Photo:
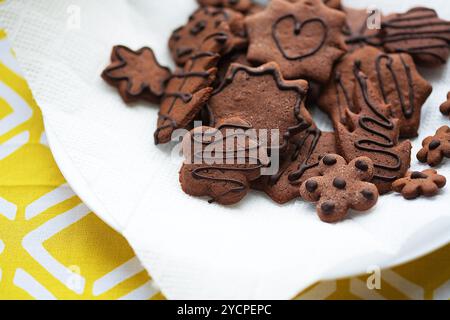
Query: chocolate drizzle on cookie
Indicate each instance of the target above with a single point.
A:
(341, 87)
(429, 18)
(166, 120)
(205, 24)
(262, 71)
(403, 33)
(304, 166)
(143, 76)
(242, 161)
(298, 26)
(408, 111)
(383, 123)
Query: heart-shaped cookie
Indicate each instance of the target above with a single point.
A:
(303, 37)
(297, 32)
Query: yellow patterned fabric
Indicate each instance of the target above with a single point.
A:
(53, 247)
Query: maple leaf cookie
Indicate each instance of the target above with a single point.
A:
(136, 74)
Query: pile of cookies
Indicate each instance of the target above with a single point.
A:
(248, 66)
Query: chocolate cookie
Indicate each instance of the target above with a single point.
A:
(237, 56)
(335, 4)
(259, 98)
(445, 107)
(299, 164)
(255, 8)
(136, 74)
(435, 148)
(304, 38)
(419, 32)
(216, 168)
(395, 79)
(186, 93)
(238, 5)
(356, 30)
(208, 29)
(416, 184)
(341, 187)
(371, 132)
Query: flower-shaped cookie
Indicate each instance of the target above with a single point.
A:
(417, 183)
(435, 148)
(136, 74)
(445, 107)
(341, 187)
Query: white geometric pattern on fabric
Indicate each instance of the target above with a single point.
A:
(145, 292)
(25, 281)
(320, 292)
(7, 209)
(359, 289)
(118, 275)
(22, 112)
(409, 289)
(33, 243)
(443, 292)
(49, 200)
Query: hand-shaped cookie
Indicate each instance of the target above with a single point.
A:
(341, 187)
(136, 74)
(435, 148)
(416, 183)
(445, 107)
(220, 164)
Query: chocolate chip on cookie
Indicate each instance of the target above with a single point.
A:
(225, 174)
(300, 163)
(416, 184)
(304, 38)
(371, 131)
(136, 74)
(419, 32)
(395, 78)
(263, 100)
(238, 5)
(435, 148)
(186, 93)
(217, 30)
(341, 187)
(445, 107)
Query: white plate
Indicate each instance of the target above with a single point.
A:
(256, 249)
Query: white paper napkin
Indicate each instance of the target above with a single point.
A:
(255, 250)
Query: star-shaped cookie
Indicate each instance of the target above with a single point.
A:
(259, 98)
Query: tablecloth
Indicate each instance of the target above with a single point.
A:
(53, 247)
